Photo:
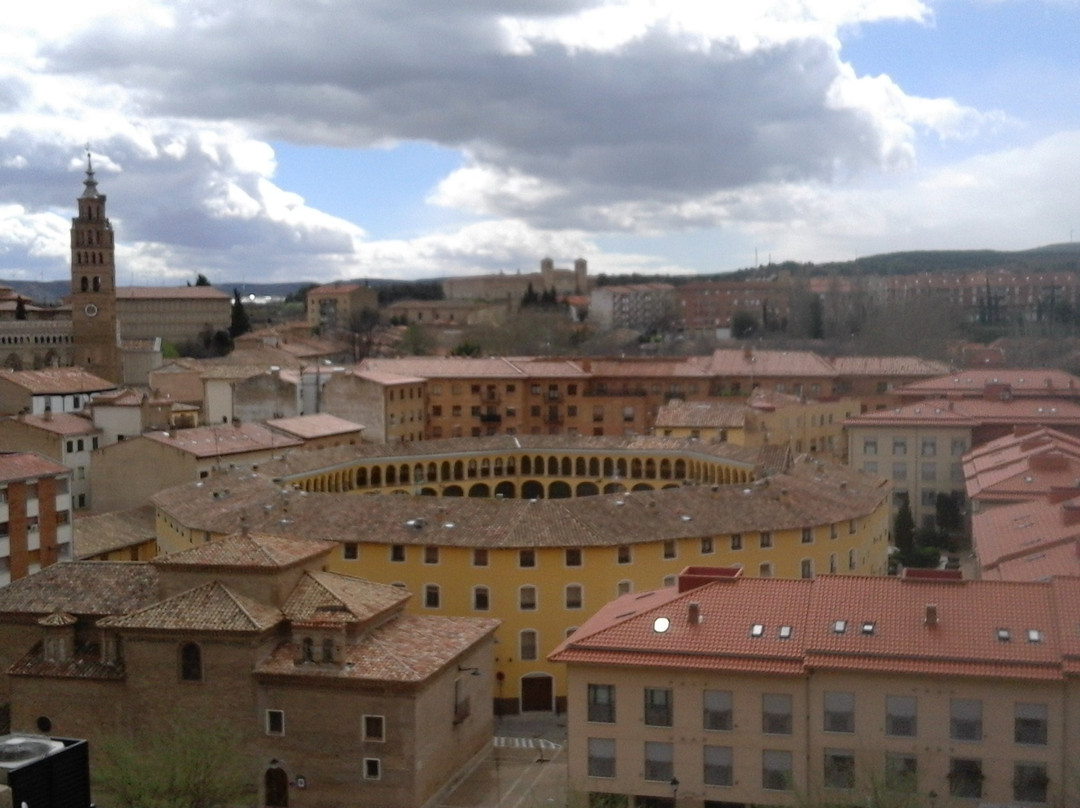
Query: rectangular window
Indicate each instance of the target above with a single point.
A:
(528, 645)
(397, 552)
(776, 714)
(965, 778)
(929, 447)
(839, 768)
(527, 598)
(481, 598)
(928, 472)
(431, 555)
(718, 766)
(766, 538)
(574, 596)
(807, 535)
(839, 712)
(717, 710)
(480, 557)
(601, 700)
(900, 716)
(669, 548)
(706, 545)
(374, 728)
(601, 757)
(372, 769)
(959, 446)
(431, 596)
(1030, 723)
(275, 722)
(527, 558)
(659, 761)
(736, 541)
(1029, 782)
(870, 466)
(350, 551)
(657, 707)
(776, 770)
(901, 772)
(573, 556)
(965, 719)
(869, 446)
(623, 554)
(899, 446)
(899, 471)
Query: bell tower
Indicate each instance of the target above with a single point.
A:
(93, 285)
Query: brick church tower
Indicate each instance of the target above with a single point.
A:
(93, 286)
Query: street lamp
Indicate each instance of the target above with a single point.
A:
(675, 790)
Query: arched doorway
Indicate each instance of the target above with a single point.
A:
(505, 490)
(277, 786)
(453, 491)
(480, 490)
(537, 692)
(531, 489)
(559, 490)
(587, 490)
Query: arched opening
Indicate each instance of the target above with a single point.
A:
(532, 489)
(510, 467)
(614, 488)
(650, 469)
(480, 490)
(665, 469)
(680, 469)
(97, 283)
(579, 467)
(567, 467)
(642, 487)
(459, 470)
(445, 475)
(391, 476)
(635, 468)
(428, 492)
(472, 470)
(505, 489)
(453, 491)
(403, 474)
(361, 477)
(670, 485)
(432, 473)
(191, 662)
(276, 782)
(586, 490)
(594, 467)
(609, 467)
(418, 473)
(485, 467)
(559, 490)
(84, 284)
(526, 465)
(376, 475)
(552, 466)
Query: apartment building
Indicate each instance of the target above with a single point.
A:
(35, 514)
(54, 389)
(736, 692)
(391, 406)
(336, 307)
(66, 438)
(640, 307)
(707, 306)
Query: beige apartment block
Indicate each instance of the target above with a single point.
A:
(35, 514)
(328, 682)
(67, 438)
(390, 406)
(126, 474)
(511, 287)
(53, 389)
(336, 307)
(750, 692)
(177, 314)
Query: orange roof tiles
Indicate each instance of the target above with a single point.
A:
(691, 414)
(325, 597)
(840, 623)
(222, 439)
(738, 362)
(82, 588)
(210, 607)
(60, 423)
(56, 381)
(1044, 382)
(887, 366)
(247, 551)
(309, 427)
(28, 465)
(170, 293)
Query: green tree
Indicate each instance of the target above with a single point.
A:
(194, 764)
(743, 324)
(817, 318)
(20, 308)
(240, 323)
(904, 531)
(416, 341)
(467, 348)
(530, 298)
(201, 280)
(947, 510)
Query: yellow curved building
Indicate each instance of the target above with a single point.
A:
(542, 565)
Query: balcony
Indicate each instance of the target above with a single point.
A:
(490, 418)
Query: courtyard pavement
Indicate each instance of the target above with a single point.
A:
(524, 768)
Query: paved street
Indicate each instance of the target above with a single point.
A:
(525, 768)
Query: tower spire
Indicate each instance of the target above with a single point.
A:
(90, 183)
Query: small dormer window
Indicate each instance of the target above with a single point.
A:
(757, 630)
(1034, 635)
(1003, 635)
(839, 626)
(784, 633)
(868, 627)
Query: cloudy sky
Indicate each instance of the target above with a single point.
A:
(321, 139)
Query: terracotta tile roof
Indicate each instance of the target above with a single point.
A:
(247, 551)
(56, 381)
(170, 293)
(60, 423)
(24, 465)
(405, 649)
(85, 664)
(887, 366)
(1043, 382)
(82, 588)
(210, 607)
(737, 362)
(307, 427)
(974, 412)
(812, 493)
(233, 371)
(325, 597)
(694, 367)
(126, 397)
(1022, 466)
(1026, 530)
(222, 439)
(382, 377)
(692, 414)
(842, 623)
(102, 533)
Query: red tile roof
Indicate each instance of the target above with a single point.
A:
(973, 412)
(82, 588)
(210, 607)
(60, 423)
(246, 551)
(222, 439)
(28, 465)
(708, 414)
(56, 381)
(170, 293)
(1040, 382)
(840, 623)
(320, 425)
(739, 362)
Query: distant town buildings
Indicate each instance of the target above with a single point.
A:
(336, 307)
(641, 307)
(512, 287)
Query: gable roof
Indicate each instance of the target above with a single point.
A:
(82, 588)
(326, 597)
(56, 381)
(247, 551)
(24, 465)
